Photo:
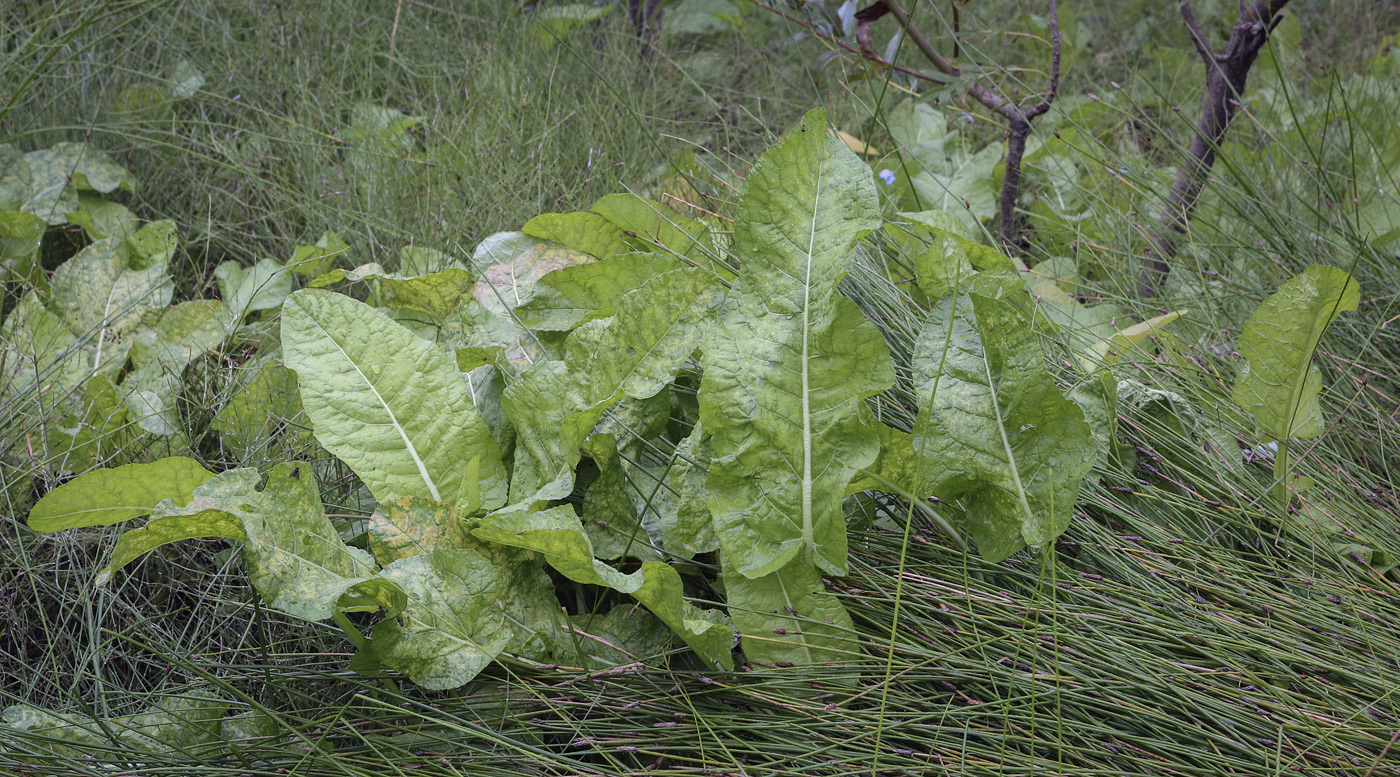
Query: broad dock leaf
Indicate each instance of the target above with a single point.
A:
(453, 626)
(1278, 382)
(389, 404)
(789, 617)
(789, 368)
(557, 534)
(993, 429)
(107, 496)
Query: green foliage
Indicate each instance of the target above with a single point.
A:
(1278, 383)
(586, 336)
(995, 431)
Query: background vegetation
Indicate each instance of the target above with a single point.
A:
(1181, 626)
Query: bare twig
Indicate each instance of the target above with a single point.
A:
(1018, 120)
(870, 55)
(1198, 38)
(1226, 76)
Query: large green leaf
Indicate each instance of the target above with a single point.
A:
(296, 560)
(558, 536)
(1278, 382)
(583, 231)
(609, 514)
(552, 416)
(41, 360)
(107, 496)
(789, 369)
(434, 294)
(453, 626)
(264, 286)
(657, 326)
(389, 404)
(98, 292)
(636, 353)
(567, 297)
(169, 340)
(993, 429)
(650, 226)
(263, 406)
(675, 512)
(414, 526)
(788, 617)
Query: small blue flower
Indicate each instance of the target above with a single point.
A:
(887, 176)
(965, 117)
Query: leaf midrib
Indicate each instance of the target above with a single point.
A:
(393, 418)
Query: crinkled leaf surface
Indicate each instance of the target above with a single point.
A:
(609, 515)
(657, 326)
(107, 496)
(554, 405)
(993, 429)
(434, 294)
(390, 405)
(653, 226)
(96, 291)
(583, 231)
(1278, 382)
(570, 296)
(552, 416)
(788, 616)
(453, 626)
(558, 536)
(792, 363)
(677, 514)
(413, 526)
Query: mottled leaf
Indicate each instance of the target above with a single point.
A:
(453, 626)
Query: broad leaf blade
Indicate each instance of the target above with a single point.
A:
(558, 536)
(787, 373)
(107, 496)
(389, 404)
(453, 626)
(1278, 383)
(993, 429)
(788, 617)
